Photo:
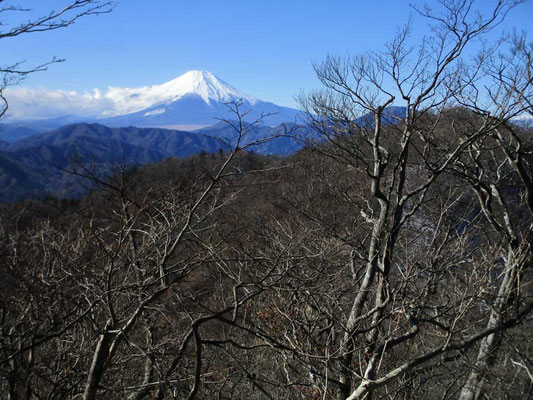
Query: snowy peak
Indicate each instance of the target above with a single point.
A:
(194, 98)
(203, 84)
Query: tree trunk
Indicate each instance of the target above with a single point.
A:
(473, 387)
(97, 366)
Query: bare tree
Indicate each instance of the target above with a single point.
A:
(403, 159)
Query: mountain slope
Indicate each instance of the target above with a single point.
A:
(33, 167)
(12, 133)
(165, 141)
(193, 110)
(201, 83)
(195, 98)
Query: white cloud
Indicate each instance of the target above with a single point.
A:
(127, 100)
(27, 103)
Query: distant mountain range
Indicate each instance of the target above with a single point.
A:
(35, 166)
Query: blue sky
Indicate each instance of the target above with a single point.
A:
(264, 48)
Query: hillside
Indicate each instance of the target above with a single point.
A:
(36, 166)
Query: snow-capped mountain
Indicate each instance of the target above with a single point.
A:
(202, 84)
(194, 98)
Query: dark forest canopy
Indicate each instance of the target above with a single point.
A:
(249, 283)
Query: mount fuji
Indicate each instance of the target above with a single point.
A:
(195, 98)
